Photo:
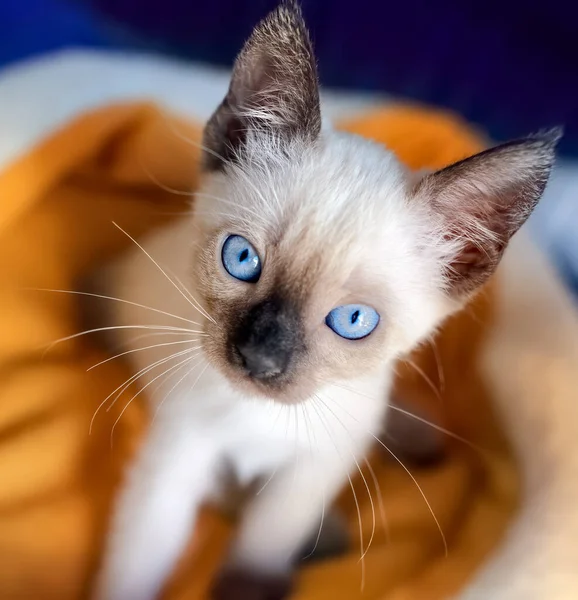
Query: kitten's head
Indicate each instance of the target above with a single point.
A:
(322, 258)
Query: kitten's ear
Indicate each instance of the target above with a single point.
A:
(484, 200)
(274, 88)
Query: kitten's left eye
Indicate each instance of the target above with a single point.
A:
(240, 259)
(352, 321)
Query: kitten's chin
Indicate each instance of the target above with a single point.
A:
(283, 390)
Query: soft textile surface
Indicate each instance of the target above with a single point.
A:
(58, 204)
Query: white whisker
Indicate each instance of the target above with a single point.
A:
(157, 265)
(247, 209)
(192, 142)
(113, 327)
(103, 297)
(166, 188)
(158, 333)
(296, 454)
(355, 499)
(188, 292)
(438, 428)
(416, 417)
(384, 521)
(139, 392)
(102, 362)
(148, 369)
(422, 373)
(178, 382)
(123, 386)
(235, 167)
(422, 493)
(412, 478)
(439, 364)
(260, 491)
(308, 427)
(362, 477)
(319, 531)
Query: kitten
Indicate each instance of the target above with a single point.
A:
(311, 262)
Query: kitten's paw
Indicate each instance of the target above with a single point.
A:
(236, 584)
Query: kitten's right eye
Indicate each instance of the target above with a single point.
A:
(240, 259)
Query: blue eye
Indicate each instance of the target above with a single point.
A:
(240, 259)
(352, 321)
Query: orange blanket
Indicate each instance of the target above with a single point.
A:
(57, 204)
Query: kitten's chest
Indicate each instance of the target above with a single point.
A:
(262, 437)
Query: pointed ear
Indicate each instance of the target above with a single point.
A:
(274, 88)
(483, 200)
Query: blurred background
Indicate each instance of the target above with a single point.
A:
(509, 66)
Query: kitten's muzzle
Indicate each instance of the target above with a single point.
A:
(267, 340)
(259, 364)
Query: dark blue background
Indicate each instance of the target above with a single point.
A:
(510, 66)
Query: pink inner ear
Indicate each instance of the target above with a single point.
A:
(483, 200)
(473, 264)
(471, 267)
(483, 233)
(468, 257)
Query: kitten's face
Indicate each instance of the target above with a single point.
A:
(320, 258)
(312, 266)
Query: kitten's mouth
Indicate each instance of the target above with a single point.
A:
(264, 369)
(258, 379)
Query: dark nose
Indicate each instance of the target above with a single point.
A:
(267, 338)
(260, 364)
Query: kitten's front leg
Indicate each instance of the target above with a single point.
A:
(171, 477)
(275, 527)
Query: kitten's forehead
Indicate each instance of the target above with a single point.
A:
(320, 213)
(342, 181)
(349, 193)
(331, 191)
